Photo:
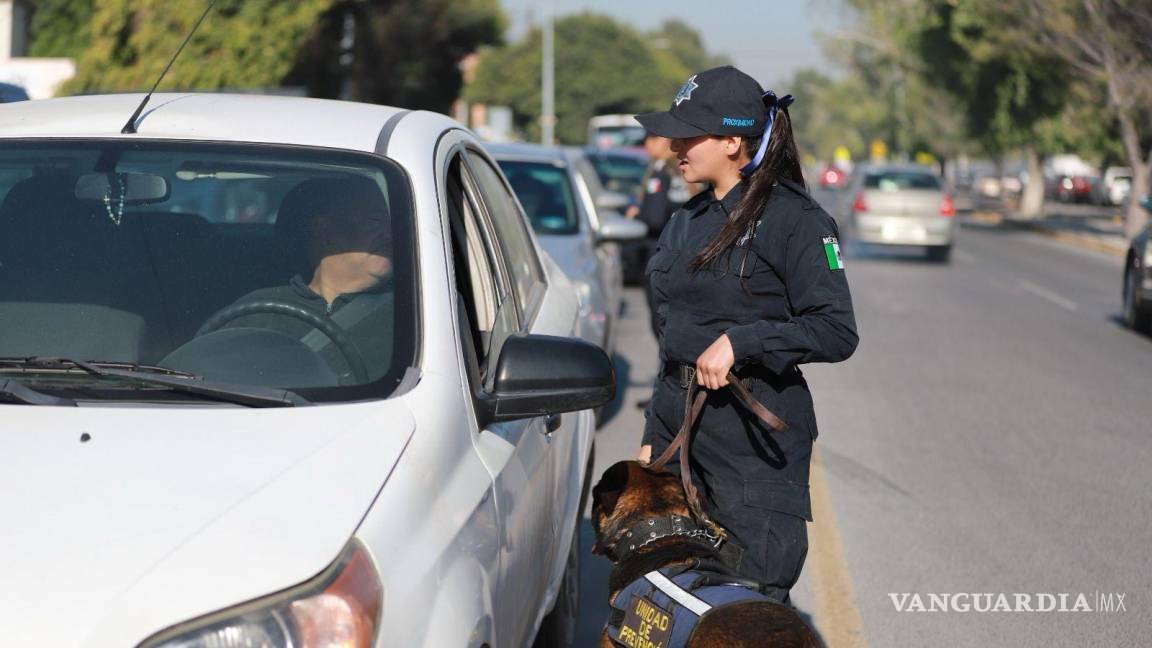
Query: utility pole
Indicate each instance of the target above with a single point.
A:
(548, 81)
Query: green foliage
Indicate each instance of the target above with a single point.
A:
(404, 52)
(602, 67)
(242, 44)
(59, 28)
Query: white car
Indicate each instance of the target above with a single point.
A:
(214, 436)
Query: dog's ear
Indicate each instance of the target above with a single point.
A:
(613, 482)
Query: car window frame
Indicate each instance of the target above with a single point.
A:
(529, 306)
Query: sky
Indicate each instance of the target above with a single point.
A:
(768, 39)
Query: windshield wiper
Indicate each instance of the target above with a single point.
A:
(176, 380)
(13, 390)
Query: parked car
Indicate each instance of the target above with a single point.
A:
(611, 131)
(175, 475)
(1117, 184)
(558, 189)
(903, 205)
(10, 93)
(620, 170)
(1138, 278)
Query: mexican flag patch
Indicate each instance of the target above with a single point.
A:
(832, 253)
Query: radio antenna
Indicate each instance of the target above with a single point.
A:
(130, 127)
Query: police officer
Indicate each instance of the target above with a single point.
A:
(747, 276)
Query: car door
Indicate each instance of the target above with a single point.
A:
(518, 454)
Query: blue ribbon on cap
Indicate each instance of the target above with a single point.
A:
(774, 104)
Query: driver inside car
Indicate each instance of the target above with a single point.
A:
(347, 238)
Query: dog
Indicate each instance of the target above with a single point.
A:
(661, 554)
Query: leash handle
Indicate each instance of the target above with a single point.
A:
(696, 397)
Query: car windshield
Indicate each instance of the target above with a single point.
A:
(900, 180)
(620, 173)
(546, 194)
(257, 265)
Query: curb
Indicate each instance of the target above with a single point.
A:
(1085, 241)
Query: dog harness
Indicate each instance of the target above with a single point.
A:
(662, 608)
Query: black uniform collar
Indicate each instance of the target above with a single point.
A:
(727, 204)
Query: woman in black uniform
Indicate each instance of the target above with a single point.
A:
(747, 277)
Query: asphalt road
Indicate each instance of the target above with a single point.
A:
(992, 435)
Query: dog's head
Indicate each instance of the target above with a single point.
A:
(629, 493)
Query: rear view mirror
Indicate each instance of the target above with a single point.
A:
(122, 188)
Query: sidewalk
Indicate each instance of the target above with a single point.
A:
(1085, 226)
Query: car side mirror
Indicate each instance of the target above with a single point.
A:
(537, 375)
(614, 227)
(612, 200)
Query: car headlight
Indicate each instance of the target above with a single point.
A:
(340, 607)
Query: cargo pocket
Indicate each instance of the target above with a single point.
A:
(779, 495)
(785, 536)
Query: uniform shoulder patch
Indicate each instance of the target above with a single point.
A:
(832, 253)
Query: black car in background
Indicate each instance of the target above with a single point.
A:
(1138, 279)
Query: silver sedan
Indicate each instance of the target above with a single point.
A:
(903, 205)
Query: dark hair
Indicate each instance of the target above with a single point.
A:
(781, 160)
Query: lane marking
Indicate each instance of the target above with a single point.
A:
(839, 619)
(1048, 294)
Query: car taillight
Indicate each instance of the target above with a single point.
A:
(947, 207)
(858, 205)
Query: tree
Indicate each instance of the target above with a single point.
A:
(403, 52)
(601, 67)
(242, 44)
(399, 52)
(59, 28)
(1109, 43)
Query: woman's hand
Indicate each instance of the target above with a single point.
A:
(713, 365)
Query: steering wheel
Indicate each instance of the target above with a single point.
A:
(329, 328)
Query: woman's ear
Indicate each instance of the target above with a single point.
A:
(733, 145)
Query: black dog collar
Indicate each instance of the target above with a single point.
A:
(650, 530)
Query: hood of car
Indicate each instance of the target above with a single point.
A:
(119, 522)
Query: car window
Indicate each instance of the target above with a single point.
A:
(512, 236)
(899, 180)
(485, 294)
(247, 264)
(546, 194)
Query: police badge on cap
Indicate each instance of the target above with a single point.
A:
(720, 101)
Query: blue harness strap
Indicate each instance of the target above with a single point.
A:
(683, 595)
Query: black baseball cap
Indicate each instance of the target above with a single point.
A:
(720, 101)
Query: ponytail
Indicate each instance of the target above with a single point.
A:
(774, 157)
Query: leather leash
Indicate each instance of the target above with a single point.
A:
(696, 398)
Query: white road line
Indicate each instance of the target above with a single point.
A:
(1049, 295)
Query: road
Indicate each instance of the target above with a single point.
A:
(992, 434)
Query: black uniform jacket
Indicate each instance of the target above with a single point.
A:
(782, 298)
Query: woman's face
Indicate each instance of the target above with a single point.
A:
(707, 158)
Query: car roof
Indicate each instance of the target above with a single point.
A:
(527, 152)
(203, 116)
